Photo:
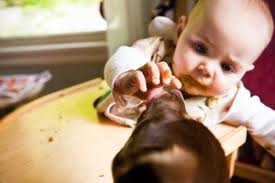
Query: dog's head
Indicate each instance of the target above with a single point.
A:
(169, 105)
(165, 147)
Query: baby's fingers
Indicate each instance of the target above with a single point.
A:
(139, 80)
(165, 73)
(151, 73)
(175, 82)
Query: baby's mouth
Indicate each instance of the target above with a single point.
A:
(188, 81)
(198, 82)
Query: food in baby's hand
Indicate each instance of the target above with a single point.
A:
(167, 74)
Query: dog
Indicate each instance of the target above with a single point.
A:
(167, 147)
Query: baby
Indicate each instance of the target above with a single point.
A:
(206, 58)
(165, 147)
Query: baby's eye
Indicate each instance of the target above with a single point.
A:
(200, 48)
(227, 67)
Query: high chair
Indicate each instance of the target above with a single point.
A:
(60, 138)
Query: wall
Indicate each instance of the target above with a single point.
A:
(261, 80)
(128, 21)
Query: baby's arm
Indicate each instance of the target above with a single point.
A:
(128, 72)
(131, 58)
(124, 59)
(258, 118)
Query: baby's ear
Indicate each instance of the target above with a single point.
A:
(251, 67)
(181, 25)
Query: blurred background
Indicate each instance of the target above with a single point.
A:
(66, 37)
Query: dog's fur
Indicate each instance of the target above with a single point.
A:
(166, 147)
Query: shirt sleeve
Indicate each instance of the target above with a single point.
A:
(259, 119)
(162, 26)
(124, 59)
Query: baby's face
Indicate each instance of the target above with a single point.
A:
(217, 47)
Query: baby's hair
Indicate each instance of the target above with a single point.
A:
(263, 7)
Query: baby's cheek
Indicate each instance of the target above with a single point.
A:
(220, 87)
(179, 66)
(175, 67)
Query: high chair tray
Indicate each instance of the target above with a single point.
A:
(60, 138)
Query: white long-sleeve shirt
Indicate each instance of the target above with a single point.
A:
(246, 110)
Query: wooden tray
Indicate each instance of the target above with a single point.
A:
(60, 138)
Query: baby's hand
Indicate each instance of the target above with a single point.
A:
(143, 81)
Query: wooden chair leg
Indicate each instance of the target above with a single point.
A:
(231, 160)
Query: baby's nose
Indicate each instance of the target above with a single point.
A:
(205, 73)
(205, 70)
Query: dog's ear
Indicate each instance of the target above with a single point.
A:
(177, 97)
(168, 100)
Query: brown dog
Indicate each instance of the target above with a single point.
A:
(165, 147)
